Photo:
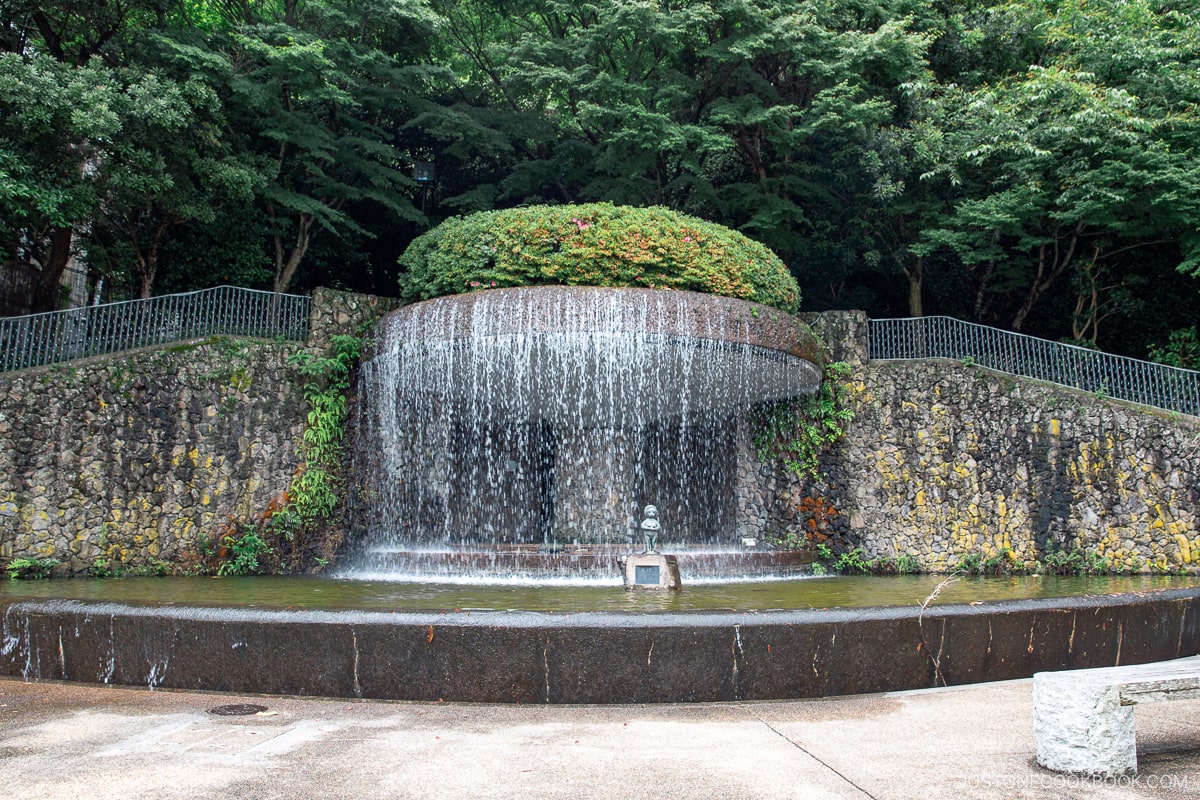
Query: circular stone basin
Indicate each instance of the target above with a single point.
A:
(422, 648)
(591, 356)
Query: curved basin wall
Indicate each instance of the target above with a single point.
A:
(590, 657)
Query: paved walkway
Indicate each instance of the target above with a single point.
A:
(70, 741)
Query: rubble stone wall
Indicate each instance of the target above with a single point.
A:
(142, 458)
(146, 457)
(944, 460)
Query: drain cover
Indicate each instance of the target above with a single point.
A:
(237, 710)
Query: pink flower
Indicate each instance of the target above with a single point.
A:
(687, 238)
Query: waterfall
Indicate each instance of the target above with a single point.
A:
(542, 420)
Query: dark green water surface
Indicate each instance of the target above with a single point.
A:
(332, 593)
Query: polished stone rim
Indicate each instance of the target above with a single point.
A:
(677, 313)
(593, 356)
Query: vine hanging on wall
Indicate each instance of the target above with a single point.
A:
(798, 430)
(278, 541)
(315, 492)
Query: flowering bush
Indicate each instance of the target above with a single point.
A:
(597, 244)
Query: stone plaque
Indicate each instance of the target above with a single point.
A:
(652, 571)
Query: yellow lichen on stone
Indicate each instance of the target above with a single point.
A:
(1185, 548)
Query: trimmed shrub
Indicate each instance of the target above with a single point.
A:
(597, 244)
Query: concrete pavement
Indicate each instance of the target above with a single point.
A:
(75, 741)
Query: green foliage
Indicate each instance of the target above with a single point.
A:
(30, 569)
(106, 568)
(1181, 350)
(317, 93)
(853, 562)
(597, 244)
(245, 553)
(1075, 562)
(315, 492)
(1031, 163)
(1065, 164)
(1004, 562)
(797, 431)
(789, 540)
(1055, 562)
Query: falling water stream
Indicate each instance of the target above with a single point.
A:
(528, 427)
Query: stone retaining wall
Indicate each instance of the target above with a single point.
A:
(144, 458)
(944, 460)
(139, 459)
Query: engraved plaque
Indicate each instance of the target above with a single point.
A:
(646, 575)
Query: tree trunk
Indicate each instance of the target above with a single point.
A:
(45, 294)
(286, 263)
(148, 261)
(1050, 267)
(916, 276)
(147, 276)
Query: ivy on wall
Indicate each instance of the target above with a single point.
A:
(286, 536)
(798, 430)
(316, 490)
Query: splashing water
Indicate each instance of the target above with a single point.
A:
(532, 425)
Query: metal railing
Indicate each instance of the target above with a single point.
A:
(38, 339)
(1101, 373)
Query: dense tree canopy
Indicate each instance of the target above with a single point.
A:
(1033, 164)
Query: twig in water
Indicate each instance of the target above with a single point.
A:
(934, 657)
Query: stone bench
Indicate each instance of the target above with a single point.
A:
(1083, 719)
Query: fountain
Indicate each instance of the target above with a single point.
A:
(523, 432)
(520, 431)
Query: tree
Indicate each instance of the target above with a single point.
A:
(314, 92)
(167, 168)
(760, 117)
(1064, 170)
(54, 121)
(95, 137)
